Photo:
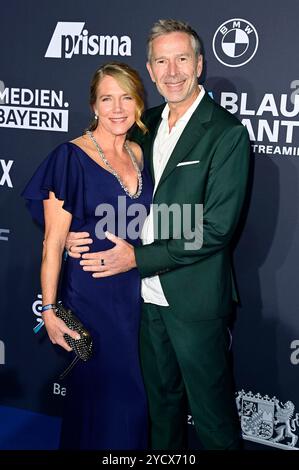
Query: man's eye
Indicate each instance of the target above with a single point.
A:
(160, 61)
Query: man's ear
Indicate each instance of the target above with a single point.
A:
(199, 66)
(149, 69)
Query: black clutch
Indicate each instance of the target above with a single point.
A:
(82, 347)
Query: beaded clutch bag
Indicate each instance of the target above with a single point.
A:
(82, 347)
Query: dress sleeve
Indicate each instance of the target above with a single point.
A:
(61, 172)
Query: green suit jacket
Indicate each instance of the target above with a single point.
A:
(198, 282)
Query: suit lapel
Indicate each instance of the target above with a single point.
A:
(152, 121)
(191, 135)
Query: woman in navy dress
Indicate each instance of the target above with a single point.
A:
(96, 183)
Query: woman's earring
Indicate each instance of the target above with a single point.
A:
(96, 117)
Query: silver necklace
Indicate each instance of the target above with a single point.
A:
(112, 170)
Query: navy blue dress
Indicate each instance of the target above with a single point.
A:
(105, 404)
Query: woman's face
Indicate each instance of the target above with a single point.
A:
(114, 106)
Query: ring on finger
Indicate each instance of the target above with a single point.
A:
(102, 262)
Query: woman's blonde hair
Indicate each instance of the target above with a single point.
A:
(128, 79)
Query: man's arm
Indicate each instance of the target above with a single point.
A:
(225, 193)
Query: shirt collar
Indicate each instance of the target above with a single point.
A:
(186, 116)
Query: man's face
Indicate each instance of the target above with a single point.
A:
(174, 67)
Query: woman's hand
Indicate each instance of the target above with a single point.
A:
(56, 329)
(77, 243)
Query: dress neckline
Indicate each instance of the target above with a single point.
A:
(109, 172)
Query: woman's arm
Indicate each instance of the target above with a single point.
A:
(57, 224)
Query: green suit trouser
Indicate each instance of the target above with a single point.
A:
(188, 362)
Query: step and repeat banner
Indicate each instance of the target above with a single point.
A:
(49, 51)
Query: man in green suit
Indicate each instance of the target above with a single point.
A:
(198, 154)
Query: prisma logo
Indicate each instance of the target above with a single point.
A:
(69, 38)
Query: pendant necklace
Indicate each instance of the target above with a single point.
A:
(112, 170)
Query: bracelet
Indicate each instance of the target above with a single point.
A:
(48, 307)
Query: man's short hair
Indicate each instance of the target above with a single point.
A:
(167, 26)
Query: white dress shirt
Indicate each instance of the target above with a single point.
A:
(165, 141)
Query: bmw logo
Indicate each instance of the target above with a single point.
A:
(235, 42)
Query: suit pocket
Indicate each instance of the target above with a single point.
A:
(189, 163)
